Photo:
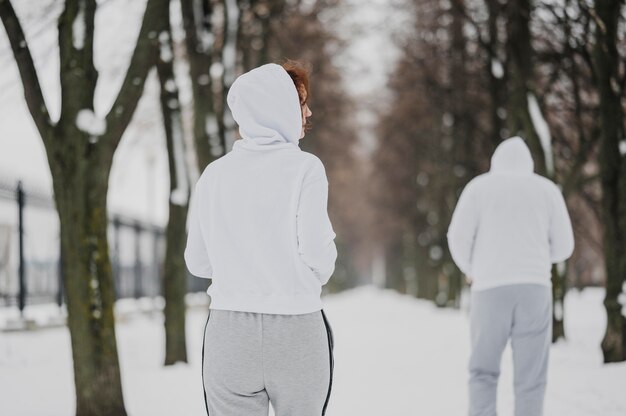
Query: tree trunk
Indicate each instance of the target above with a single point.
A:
(519, 55)
(175, 285)
(199, 43)
(497, 82)
(427, 278)
(80, 168)
(613, 174)
(255, 30)
(80, 193)
(231, 61)
(409, 262)
(463, 166)
(395, 266)
(520, 59)
(175, 270)
(559, 288)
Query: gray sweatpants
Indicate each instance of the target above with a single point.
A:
(523, 313)
(252, 359)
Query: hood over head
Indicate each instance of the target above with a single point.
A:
(512, 156)
(264, 102)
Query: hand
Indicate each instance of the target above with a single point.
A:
(468, 280)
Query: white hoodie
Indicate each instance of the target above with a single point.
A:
(258, 221)
(510, 224)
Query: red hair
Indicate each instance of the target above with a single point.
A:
(300, 76)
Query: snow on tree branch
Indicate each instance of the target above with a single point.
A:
(78, 27)
(543, 131)
(87, 121)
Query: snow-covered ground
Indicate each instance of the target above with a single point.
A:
(394, 356)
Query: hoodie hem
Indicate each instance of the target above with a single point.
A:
(478, 285)
(271, 304)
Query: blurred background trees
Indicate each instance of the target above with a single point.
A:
(472, 73)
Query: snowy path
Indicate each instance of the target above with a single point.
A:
(395, 356)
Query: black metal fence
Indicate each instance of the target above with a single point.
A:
(27, 276)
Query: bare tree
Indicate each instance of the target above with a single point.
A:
(613, 172)
(175, 270)
(80, 148)
(199, 42)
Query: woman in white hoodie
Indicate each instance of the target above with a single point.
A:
(259, 228)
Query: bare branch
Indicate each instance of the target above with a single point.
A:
(30, 82)
(143, 60)
(487, 45)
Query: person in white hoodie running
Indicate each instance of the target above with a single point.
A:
(259, 228)
(508, 228)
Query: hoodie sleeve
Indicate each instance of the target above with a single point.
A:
(561, 233)
(462, 230)
(196, 254)
(316, 245)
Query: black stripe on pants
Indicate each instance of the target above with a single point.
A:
(329, 333)
(206, 403)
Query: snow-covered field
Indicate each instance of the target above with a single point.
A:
(394, 356)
